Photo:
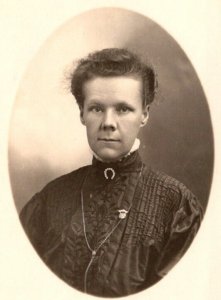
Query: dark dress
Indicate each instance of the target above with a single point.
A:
(79, 213)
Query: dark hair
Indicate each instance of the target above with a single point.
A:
(113, 62)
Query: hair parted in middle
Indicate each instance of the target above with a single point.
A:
(113, 62)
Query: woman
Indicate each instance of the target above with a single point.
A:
(115, 227)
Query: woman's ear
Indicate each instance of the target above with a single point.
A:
(82, 115)
(145, 116)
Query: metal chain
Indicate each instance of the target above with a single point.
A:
(94, 251)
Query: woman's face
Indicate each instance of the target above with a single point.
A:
(113, 114)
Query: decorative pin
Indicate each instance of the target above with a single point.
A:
(122, 213)
(111, 171)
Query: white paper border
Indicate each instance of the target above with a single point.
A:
(196, 26)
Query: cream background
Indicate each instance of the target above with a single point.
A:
(196, 26)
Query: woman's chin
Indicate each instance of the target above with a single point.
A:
(109, 155)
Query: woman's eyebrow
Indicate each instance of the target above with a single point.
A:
(124, 103)
(104, 103)
(95, 102)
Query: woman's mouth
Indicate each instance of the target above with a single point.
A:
(108, 140)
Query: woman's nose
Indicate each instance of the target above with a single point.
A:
(109, 120)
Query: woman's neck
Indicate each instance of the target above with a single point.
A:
(135, 147)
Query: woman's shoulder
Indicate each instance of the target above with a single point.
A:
(165, 181)
(67, 180)
(58, 189)
(174, 191)
(72, 176)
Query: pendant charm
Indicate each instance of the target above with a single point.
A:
(111, 171)
(122, 213)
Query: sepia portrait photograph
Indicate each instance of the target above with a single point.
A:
(111, 157)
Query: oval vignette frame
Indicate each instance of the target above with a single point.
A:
(48, 117)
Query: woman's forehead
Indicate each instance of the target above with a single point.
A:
(115, 87)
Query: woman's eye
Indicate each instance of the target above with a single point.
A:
(124, 109)
(96, 109)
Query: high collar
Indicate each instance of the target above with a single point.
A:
(130, 163)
